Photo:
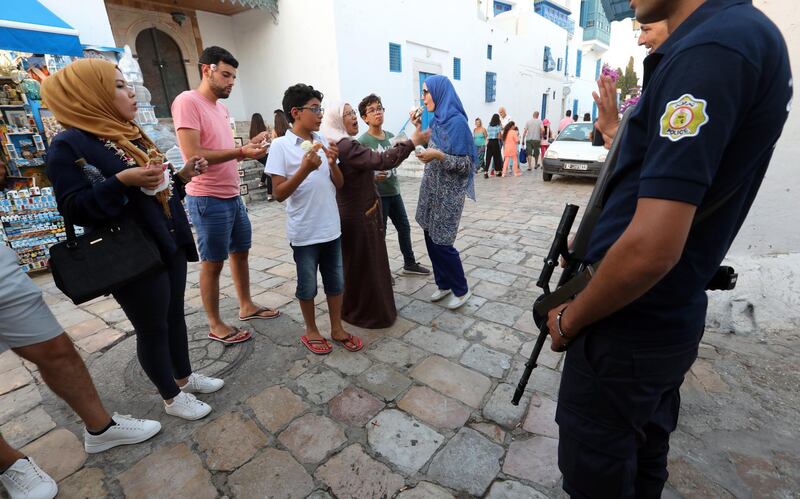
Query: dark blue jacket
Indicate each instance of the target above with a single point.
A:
(94, 204)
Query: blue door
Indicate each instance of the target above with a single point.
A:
(426, 116)
(544, 106)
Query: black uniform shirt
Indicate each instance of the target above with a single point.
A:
(717, 95)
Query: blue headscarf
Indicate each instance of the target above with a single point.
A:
(450, 129)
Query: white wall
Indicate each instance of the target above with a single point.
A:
(301, 48)
(89, 17)
(218, 30)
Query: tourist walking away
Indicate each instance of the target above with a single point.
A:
(305, 174)
(494, 157)
(279, 127)
(257, 127)
(104, 168)
(368, 297)
(504, 118)
(449, 176)
(218, 213)
(547, 136)
(634, 331)
(567, 120)
(533, 139)
(388, 183)
(29, 329)
(479, 137)
(510, 144)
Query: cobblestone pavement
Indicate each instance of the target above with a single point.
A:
(423, 412)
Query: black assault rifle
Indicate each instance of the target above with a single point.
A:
(577, 273)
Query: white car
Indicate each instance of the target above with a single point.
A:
(573, 154)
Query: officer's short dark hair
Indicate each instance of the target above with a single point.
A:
(297, 96)
(215, 55)
(569, 112)
(366, 101)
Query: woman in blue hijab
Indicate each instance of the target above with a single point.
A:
(449, 176)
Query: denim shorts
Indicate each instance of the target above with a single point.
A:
(325, 256)
(222, 226)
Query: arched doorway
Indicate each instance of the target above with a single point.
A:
(162, 67)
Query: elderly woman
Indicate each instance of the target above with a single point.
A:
(449, 175)
(103, 168)
(368, 296)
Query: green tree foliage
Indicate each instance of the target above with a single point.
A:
(628, 82)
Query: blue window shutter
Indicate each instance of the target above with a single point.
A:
(491, 86)
(395, 59)
(575, 107)
(598, 66)
(578, 64)
(582, 18)
(594, 110)
(456, 68)
(489, 52)
(548, 63)
(500, 7)
(566, 60)
(560, 64)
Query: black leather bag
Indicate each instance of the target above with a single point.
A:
(102, 261)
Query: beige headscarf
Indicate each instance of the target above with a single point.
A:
(333, 122)
(82, 96)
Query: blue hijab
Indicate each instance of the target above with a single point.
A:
(450, 129)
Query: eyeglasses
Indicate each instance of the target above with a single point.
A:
(425, 92)
(350, 113)
(376, 110)
(318, 110)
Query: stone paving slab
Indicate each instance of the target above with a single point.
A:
(384, 382)
(433, 408)
(426, 490)
(406, 443)
(354, 406)
(175, 469)
(535, 460)
(438, 342)
(352, 473)
(274, 473)
(27, 427)
(468, 462)
(452, 380)
(276, 406)
(513, 490)
(229, 441)
(59, 453)
(311, 437)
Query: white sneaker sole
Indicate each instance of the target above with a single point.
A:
(205, 391)
(458, 302)
(104, 446)
(442, 297)
(193, 418)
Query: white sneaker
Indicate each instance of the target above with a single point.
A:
(456, 301)
(439, 294)
(186, 406)
(25, 480)
(199, 383)
(127, 430)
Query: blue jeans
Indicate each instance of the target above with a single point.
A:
(393, 207)
(447, 269)
(325, 256)
(222, 226)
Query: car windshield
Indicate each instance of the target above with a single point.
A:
(578, 132)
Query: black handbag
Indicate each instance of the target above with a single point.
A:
(102, 261)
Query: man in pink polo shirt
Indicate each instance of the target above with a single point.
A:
(566, 121)
(217, 212)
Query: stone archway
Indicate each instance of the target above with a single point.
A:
(162, 64)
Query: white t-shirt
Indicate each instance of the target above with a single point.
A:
(312, 215)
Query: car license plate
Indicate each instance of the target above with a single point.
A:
(576, 166)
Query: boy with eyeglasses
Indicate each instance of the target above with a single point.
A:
(305, 175)
(372, 112)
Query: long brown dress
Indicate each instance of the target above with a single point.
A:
(368, 296)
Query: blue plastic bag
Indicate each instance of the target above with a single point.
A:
(523, 156)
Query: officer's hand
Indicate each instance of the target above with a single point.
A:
(607, 113)
(558, 343)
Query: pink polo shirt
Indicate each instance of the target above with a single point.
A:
(565, 122)
(192, 110)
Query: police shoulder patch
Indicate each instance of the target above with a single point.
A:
(683, 117)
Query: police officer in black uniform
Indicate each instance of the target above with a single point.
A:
(720, 79)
